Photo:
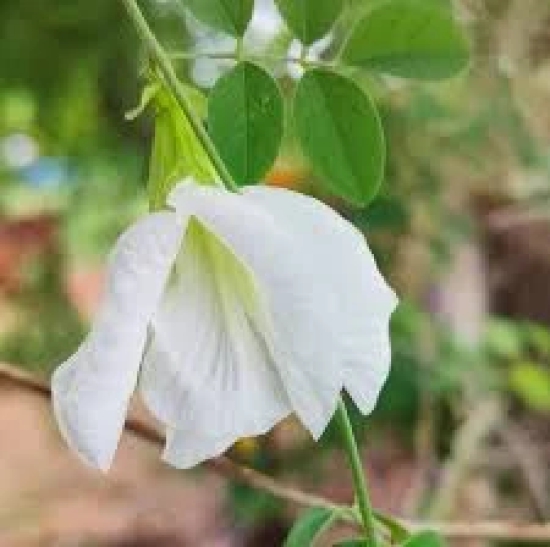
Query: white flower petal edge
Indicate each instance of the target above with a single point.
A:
(302, 342)
(345, 263)
(91, 390)
(187, 447)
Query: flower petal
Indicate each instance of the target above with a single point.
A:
(207, 372)
(188, 447)
(91, 390)
(302, 340)
(343, 260)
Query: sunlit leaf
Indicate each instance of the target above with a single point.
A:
(309, 20)
(408, 38)
(538, 337)
(531, 382)
(503, 339)
(245, 120)
(340, 132)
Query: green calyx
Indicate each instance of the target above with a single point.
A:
(176, 152)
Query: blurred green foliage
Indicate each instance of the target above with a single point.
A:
(48, 324)
(67, 66)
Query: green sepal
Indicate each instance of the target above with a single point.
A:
(148, 94)
(176, 152)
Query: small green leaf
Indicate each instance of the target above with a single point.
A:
(531, 382)
(424, 539)
(538, 338)
(398, 532)
(408, 38)
(340, 132)
(353, 543)
(230, 16)
(245, 121)
(309, 20)
(503, 339)
(308, 527)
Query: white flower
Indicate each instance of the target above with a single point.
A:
(230, 311)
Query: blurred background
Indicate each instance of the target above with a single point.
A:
(462, 229)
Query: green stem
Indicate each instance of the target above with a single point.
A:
(234, 56)
(158, 54)
(359, 480)
(239, 49)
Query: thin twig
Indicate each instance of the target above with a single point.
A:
(533, 471)
(148, 432)
(233, 471)
(482, 420)
(490, 531)
(304, 62)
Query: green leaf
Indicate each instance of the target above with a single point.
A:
(531, 382)
(502, 339)
(309, 20)
(230, 16)
(408, 38)
(309, 527)
(340, 132)
(245, 121)
(424, 539)
(398, 532)
(353, 543)
(538, 338)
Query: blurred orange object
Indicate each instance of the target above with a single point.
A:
(84, 287)
(286, 176)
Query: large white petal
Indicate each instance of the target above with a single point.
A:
(343, 260)
(91, 390)
(302, 340)
(207, 372)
